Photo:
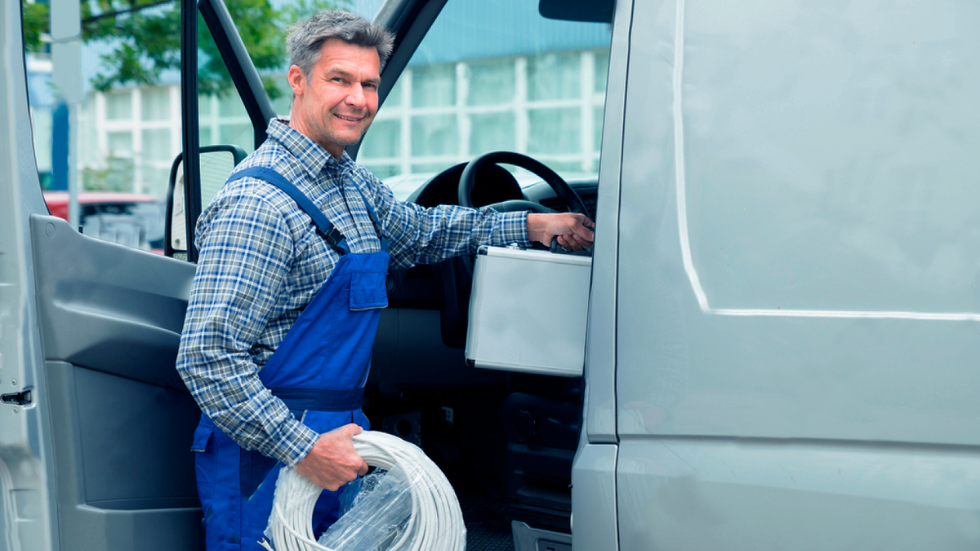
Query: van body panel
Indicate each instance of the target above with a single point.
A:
(679, 493)
(836, 379)
(804, 265)
(798, 325)
(650, 271)
(594, 496)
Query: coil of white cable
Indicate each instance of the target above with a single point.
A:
(434, 524)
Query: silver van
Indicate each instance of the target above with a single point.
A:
(783, 326)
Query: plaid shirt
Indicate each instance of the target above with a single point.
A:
(261, 262)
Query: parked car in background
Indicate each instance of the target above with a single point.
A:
(131, 219)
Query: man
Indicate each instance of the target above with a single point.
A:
(291, 276)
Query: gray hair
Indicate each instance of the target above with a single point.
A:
(305, 40)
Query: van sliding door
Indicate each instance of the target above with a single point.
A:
(798, 310)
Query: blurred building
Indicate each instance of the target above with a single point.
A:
(525, 84)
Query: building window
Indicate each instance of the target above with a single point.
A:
(128, 139)
(548, 105)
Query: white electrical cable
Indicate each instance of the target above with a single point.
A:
(435, 522)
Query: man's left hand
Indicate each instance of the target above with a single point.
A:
(572, 230)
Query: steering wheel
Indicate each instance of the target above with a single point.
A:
(565, 192)
(456, 274)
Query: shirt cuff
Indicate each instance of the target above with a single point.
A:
(513, 229)
(297, 441)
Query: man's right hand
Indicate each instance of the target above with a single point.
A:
(574, 231)
(333, 462)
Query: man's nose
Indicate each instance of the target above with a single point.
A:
(356, 97)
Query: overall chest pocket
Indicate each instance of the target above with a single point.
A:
(367, 291)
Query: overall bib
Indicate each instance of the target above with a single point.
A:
(318, 370)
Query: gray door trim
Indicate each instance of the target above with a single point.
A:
(600, 362)
(27, 511)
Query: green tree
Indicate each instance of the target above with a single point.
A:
(143, 38)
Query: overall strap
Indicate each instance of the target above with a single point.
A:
(332, 235)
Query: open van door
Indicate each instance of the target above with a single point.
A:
(96, 424)
(27, 511)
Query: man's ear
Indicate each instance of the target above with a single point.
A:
(297, 80)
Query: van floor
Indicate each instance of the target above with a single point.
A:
(487, 529)
(470, 452)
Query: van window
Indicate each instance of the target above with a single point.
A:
(479, 83)
(136, 224)
(128, 125)
(126, 129)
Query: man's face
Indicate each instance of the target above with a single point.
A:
(336, 102)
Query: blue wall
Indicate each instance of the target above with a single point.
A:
(506, 28)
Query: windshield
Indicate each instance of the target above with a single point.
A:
(493, 76)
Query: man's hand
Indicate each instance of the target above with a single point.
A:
(571, 229)
(333, 462)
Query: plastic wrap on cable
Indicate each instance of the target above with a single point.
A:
(379, 516)
(412, 507)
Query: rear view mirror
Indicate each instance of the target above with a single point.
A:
(217, 162)
(590, 11)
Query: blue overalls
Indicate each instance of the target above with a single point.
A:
(319, 371)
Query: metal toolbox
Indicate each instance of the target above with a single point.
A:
(528, 311)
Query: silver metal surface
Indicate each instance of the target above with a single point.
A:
(600, 364)
(528, 312)
(751, 495)
(799, 236)
(594, 507)
(28, 516)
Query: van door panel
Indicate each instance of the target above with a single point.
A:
(797, 274)
(107, 307)
(594, 507)
(807, 329)
(121, 418)
(600, 412)
(748, 495)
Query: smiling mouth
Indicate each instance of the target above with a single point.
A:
(349, 119)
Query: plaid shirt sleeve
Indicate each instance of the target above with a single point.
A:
(245, 257)
(419, 235)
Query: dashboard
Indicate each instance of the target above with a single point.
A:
(419, 343)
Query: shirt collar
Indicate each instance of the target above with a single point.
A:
(312, 157)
